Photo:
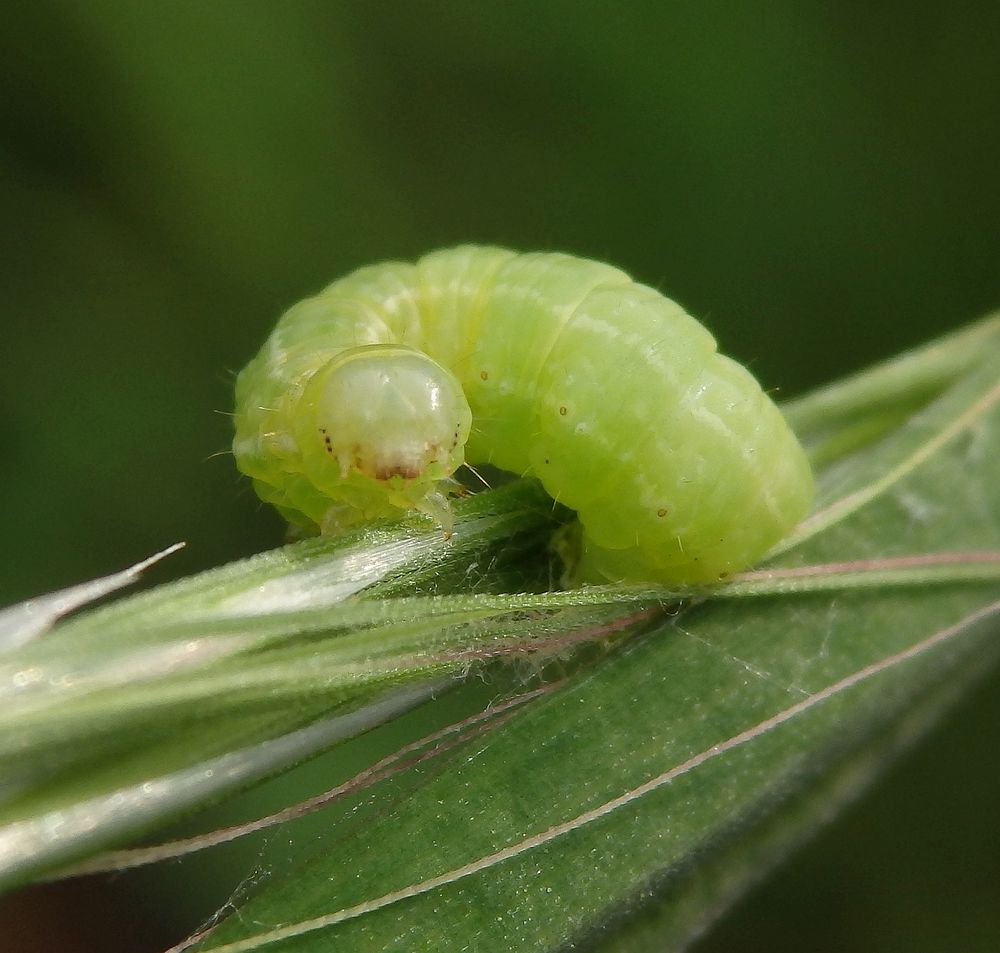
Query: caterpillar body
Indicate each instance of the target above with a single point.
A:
(368, 396)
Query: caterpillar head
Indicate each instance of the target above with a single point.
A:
(387, 424)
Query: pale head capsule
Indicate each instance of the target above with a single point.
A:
(382, 424)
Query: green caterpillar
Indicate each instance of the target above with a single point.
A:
(367, 397)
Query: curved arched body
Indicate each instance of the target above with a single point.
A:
(680, 468)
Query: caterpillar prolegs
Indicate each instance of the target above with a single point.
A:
(368, 396)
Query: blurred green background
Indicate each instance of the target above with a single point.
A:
(818, 182)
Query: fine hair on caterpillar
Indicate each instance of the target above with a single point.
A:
(368, 396)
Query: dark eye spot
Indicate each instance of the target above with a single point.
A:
(563, 411)
(484, 375)
(662, 511)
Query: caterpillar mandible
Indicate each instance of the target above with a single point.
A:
(367, 397)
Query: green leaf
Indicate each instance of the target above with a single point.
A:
(119, 719)
(689, 762)
(679, 765)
